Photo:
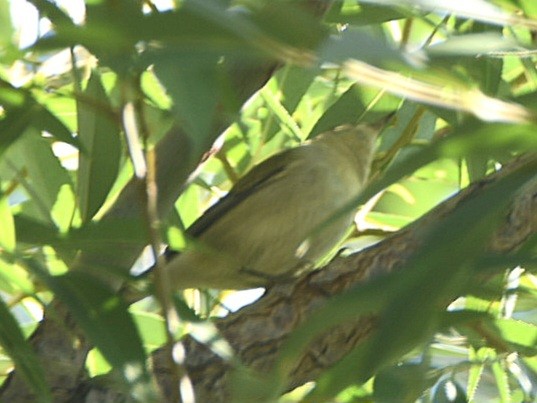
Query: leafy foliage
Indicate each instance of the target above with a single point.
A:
(85, 105)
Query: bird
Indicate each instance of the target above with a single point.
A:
(279, 219)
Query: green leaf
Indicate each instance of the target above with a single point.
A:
(473, 44)
(194, 87)
(405, 383)
(363, 14)
(99, 135)
(477, 167)
(24, 358)
(205, 29)
(502, 380)
(151, 328)
(7, 235)
(101, 313)
(121, 232)
(293, 83)
(351, 106)
(13, 278)
(357, 43)
(521, 336)
(12, 127)
(34, 232)
(54, 13)
(472, 138)
(475, 374)
(305, 32)
(529, 7)
(6, 28)
(409, 298)
(484, 330)
(23, 112)
(92, 235)
(33, 155)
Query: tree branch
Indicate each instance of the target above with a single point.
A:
(257, 331)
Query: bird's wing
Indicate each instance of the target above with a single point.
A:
(252, 182)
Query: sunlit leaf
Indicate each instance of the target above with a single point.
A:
(24, 112)
(45, 175)
(6, 28)
(7, 235)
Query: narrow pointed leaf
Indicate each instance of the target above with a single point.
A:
(99, 163)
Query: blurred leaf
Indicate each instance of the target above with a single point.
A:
(96, 364)
(54, 13)
(99, 163)
(363, 14)
(293, 83)
(13, 278)
(410, 296)
(6, 28)
(22, 354)
(194, 87)
(473, 44)
(488, 12)
(32, 231)
(7, 235)
(151, 328)
(529, 7)
(185, 312)
(357, 43)
(36, 232)
(92, 235)
(101, 313)
(205, 29)
(64, 210)
(472, 138)
(477, 167)
(352, 105)
(484, 330)
(404, 383)
(520, 335)
(475, 374)
(97, 234)
(45, 175)
(282, 115)
(23, 112)
(305, 32)
(478, 49)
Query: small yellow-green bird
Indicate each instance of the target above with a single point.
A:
(275, 221)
